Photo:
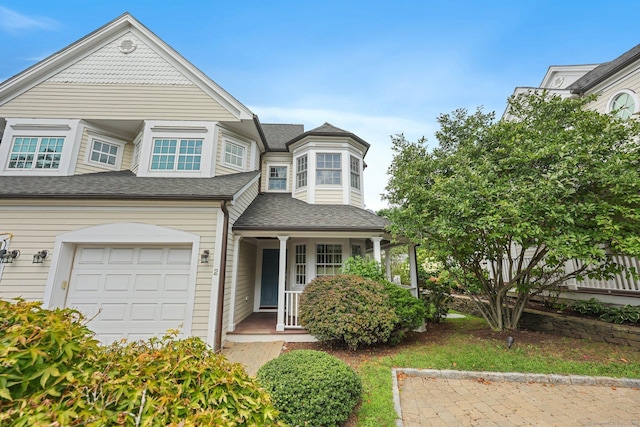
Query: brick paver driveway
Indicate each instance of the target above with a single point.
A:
(431, 398)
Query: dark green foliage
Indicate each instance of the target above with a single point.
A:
(311, 388)
(437, 295)
(410, 311)
(627, 313)
(591, 306)
(54, 373)
(347, 309)
(366, 267)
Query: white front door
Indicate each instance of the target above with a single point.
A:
(131, 292)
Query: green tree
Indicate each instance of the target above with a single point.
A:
(509, 204)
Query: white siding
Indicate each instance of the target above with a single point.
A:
(329, 197)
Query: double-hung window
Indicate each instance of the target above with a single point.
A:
(301, 265)
(301, 171)
(176, 154)
(355, 172)
(278, 178)
(328, 169)
(28, 153)
(328, 259)
(234, 155)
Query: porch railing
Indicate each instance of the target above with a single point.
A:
(620, 282)
(291, 307)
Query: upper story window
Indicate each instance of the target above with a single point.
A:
(624, 104)
(234, 154)
(36, 153)
(355, 172)
(301, 171)
(104, 152)
(328, 169)
(278, 178)
(174, 154)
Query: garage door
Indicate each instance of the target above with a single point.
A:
(131, 292)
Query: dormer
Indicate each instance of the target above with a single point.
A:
(320, 166)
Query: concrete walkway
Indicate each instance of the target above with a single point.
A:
(252, 354)
(456, 398)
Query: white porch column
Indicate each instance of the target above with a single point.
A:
(234, 282)
(282, 273)
(413, 269)
(376, 248)
(387, 263)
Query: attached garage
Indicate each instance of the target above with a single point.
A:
(131, 292)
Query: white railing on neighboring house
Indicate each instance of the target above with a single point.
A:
(291, 307)
(620, 282)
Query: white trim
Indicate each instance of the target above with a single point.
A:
(69, 129)
(215, 279)
(159, 129)
(116, 233)
(629, 92)
(282, 274)
(287, 187)
(234, 282)
(93, 135)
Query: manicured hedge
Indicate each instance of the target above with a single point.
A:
(311, 388)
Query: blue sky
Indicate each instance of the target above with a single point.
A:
(375, 68)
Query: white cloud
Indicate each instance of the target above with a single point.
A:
(13, 22)
(376, 130)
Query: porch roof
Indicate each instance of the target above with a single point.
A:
(282, 212)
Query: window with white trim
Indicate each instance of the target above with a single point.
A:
(301, 171)
(301, 265)
(328, 259)
(104, 152)
(328, 169)
(355, 172)
(176, 154)
(234, 154)
(28, 153)
(278, 178)
(624, 104)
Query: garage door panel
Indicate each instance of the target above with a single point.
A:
(137, 292)
(117, 282)
(121, 256)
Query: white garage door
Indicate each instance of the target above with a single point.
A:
(131, 292)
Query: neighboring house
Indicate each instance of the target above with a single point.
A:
(140, 192)
(617, 84)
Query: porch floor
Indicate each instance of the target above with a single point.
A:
(261, 326)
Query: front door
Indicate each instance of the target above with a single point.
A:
(269, 282)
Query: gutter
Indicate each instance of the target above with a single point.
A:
(217, 343)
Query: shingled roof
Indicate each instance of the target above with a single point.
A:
(328, 129)
(280, 211)
(604, 71)
(278, 135)
(124, 185)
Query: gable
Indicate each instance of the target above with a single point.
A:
(121, 71)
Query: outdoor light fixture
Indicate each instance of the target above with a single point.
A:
(40, 257)
(204, 257)
(7, 257)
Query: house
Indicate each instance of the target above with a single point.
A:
(137, 190)
(617, 84)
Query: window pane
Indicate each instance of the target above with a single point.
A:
(328, 259)
(103, 152)
(234, 154)
(164, 154)
(277, 178)
(328, 169)
(301, 171)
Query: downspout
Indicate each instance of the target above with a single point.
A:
(217, 343)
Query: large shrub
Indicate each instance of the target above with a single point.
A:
(50, 377)
(311, 388)
(347, 309)
(410, 311)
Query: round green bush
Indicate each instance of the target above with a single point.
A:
(347, 309)
(311, 388)
(410, 311)
(55, 373)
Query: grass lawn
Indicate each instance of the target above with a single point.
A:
(468, 344)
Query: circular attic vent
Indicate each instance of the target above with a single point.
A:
(127, 46)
